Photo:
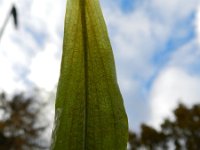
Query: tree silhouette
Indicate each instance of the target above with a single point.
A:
(183, 133)
(19, 126)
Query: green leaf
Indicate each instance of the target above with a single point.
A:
(90, 114)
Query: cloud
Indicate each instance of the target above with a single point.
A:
(198, 24)
(143, 33)
(173, 10)
(30, 56)
(187, 57)
(137, 36)
(172, 86)
(141, 36)
(8, 80)
(45, 68)
(178, 81)
(40, 32)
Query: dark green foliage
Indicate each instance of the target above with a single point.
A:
(183, 133)
(19, 127)
(134, 140)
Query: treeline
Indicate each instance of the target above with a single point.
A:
(181, 134)
(20, 128)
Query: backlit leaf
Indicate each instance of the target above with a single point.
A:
(90, 113)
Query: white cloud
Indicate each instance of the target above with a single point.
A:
(171, 10)
(198, 24)
(8, 80)
(10, 57)
(171, 87)
(45, 68)
(186, 57)
(31, 54)
(140, 34)
(39, 35)
(136, 36)
(134, 40)
(178, 82)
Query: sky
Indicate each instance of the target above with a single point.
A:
(156, 45)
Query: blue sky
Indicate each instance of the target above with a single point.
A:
(155, 43)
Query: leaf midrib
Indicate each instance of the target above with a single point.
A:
(85, 51)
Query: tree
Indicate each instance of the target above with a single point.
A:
(134, 141)
(19, 126)
(182, 133)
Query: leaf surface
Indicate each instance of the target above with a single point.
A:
(90, 113)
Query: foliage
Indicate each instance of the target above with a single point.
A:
(182, 133)
(19, 128)
(89, 112)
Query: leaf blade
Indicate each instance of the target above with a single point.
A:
(89, 106)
